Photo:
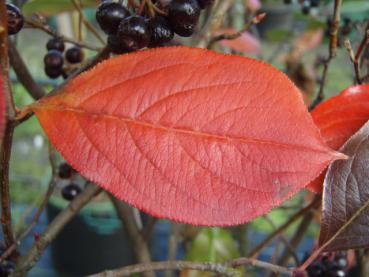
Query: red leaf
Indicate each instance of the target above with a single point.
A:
(188, 134)
(346, 197)
(339, 118)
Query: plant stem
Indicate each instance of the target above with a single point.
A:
(139, 245)
(255, 252)
(55, 227)
(332, 52)
(23, 74)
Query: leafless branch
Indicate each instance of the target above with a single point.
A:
(255, 252)
(214, 22)
(47, 29)
(139, 245)
(34, 254)
(332, 51)
(235, 35)
(224, 269)
(23, 74)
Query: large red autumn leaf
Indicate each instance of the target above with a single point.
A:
(188, 134)
(339, 118)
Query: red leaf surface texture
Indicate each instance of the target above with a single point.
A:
(339, 118)
(188, 134)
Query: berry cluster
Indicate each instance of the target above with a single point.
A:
(130, 32)
(54, 59)
(329, 265)
(15, 19)
(71, 190)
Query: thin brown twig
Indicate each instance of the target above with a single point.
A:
(148, 228)
(297, 237)
(332, 52)
(289, 248)
(218, 268)
(40, 209)
(87, 23)
(260, 264)
(255, 252)
(351, 54)
(7, 140)
(317, 252)
(214, 22)
(224, 269)
(173, 245)
(255, 20)
(61, 220)
(139, 245)
(47, 29)
(23, 74)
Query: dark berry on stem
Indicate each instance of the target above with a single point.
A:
(65, 171)
(53, 72)
(74, 55)
(109, 15)
(134, 33)
(15, 19)
(55, 44)
(161, 32)
(70, 191)
(184, 16)
(54, 59)
(116, 46)
(205, 3)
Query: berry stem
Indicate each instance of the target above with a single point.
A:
(87, 23)
(47, 29)
(54, 228)
(45, 200)
(332, 52)
(235, 35)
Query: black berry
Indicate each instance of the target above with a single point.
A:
(134, 33)
(205, 3)
(109, 15)
(53, 72)
(54, 59)
(65, 171)
(15, 19)
(184, 16)
(161, 32)
(55, 44)
(70, 191)
(116, 46)
(74, 55)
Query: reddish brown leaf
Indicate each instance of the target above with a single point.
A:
(188, 134)
(346, 197)
(339, 118)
